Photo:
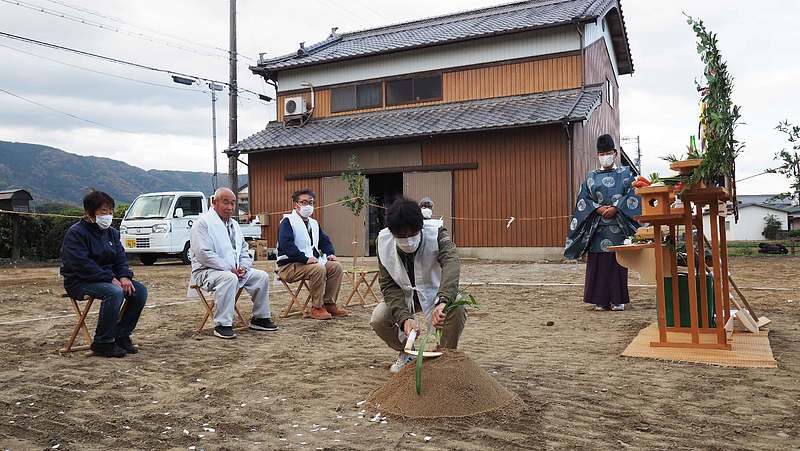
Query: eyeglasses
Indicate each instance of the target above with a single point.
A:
(303, 203)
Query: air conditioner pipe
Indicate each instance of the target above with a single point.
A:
(313, 103)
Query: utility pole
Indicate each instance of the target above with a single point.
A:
(214, 88)
(638, 150)
(233, 157)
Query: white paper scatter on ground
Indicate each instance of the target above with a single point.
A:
(377, 418)
(427, 438)
(266, 397)
(206, 396)
(299, 434)
(384, 422)
(323, 429)
(192, 447)
(360, 403)
(339, 417)
(412, 434)
(303, 443)
(185, 432)
(56, 446)
(336, 440)
(284, 399)
(243, 404)
(282, 439)
(155, 402)
(167, 427)
(209, 429)
(126, 427)
(338, 431)
(61, 412)
(198, 380)
(295, 425)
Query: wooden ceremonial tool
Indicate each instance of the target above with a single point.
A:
(690, 217)
(410, 343)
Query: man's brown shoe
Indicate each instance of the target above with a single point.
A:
(319, 313)
(335, 311)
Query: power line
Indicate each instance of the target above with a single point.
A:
(121, 21)
(117, 60)
(64, 112)
(200, 50)
(101, 72)
(107, 28)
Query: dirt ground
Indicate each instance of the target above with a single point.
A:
(301, 387)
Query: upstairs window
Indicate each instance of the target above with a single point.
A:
(610, 93)
(419, 89)
(356, 97)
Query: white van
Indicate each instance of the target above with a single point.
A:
(158, 224)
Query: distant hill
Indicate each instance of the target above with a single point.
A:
(53, 175)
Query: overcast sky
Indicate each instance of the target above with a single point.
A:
(161, 127)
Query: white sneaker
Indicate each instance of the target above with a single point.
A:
(402, 360)
(617, 307)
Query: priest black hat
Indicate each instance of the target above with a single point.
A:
(605, 143)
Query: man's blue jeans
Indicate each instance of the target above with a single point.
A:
(109, 325)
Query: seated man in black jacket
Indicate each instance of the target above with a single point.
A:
(94, 263)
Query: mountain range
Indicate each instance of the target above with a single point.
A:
(52, 175)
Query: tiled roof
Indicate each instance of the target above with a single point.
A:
(475, 115)
(508, 18)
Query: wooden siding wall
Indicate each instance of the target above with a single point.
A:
(271, 193)
(521, 173)
(526, 77)
(605, 119)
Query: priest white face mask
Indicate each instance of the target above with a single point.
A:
(409, 245)
(427, 213)
(606, 161)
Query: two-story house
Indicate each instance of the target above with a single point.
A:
(493, 113)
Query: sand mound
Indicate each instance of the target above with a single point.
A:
(453, 385)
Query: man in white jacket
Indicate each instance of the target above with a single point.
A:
(221, 263)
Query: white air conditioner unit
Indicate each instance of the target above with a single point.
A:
(294, 106)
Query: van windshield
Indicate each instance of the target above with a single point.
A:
(150, 207)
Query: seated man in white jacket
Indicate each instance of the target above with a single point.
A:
(221, 263)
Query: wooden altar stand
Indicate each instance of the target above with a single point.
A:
(708, 325)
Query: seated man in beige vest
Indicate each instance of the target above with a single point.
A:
(419, 272)
(306, 253)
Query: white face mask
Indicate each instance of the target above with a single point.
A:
(409, 245)
(306, 210)
(606, 161)
(103, 221)
(427, 213)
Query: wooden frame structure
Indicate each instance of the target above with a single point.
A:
(209, 306)
(690, 217)
(80, 324)
(295, 300)
(367, 278)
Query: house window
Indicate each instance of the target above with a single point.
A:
(356, 97)
(369, 95)
(343, 99)
(610, 93)
(408, 90)
(728, 226)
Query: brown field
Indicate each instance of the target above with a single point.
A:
(298, 388)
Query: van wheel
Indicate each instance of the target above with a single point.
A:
(186, 255)
(147, 259)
